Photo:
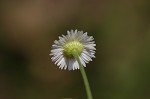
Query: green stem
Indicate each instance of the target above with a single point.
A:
(84, 76)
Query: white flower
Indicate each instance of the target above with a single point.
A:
(62, 49)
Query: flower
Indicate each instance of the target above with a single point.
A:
(62, 49)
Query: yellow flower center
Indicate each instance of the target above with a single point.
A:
(70, 46)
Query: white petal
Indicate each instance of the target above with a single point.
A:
(61, 63)
(70, 64)
(75, 65)
(82, 62)
(69, 35)
(58, 59)
(90, 46)
(56, 50)
(84, 59)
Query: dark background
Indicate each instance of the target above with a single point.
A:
(121, 28)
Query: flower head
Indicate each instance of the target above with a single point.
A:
(62, 49)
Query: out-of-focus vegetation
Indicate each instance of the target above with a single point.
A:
(121, 30)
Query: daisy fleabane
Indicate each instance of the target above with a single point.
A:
(61, 51)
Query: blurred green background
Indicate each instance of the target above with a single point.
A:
(121, 28)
